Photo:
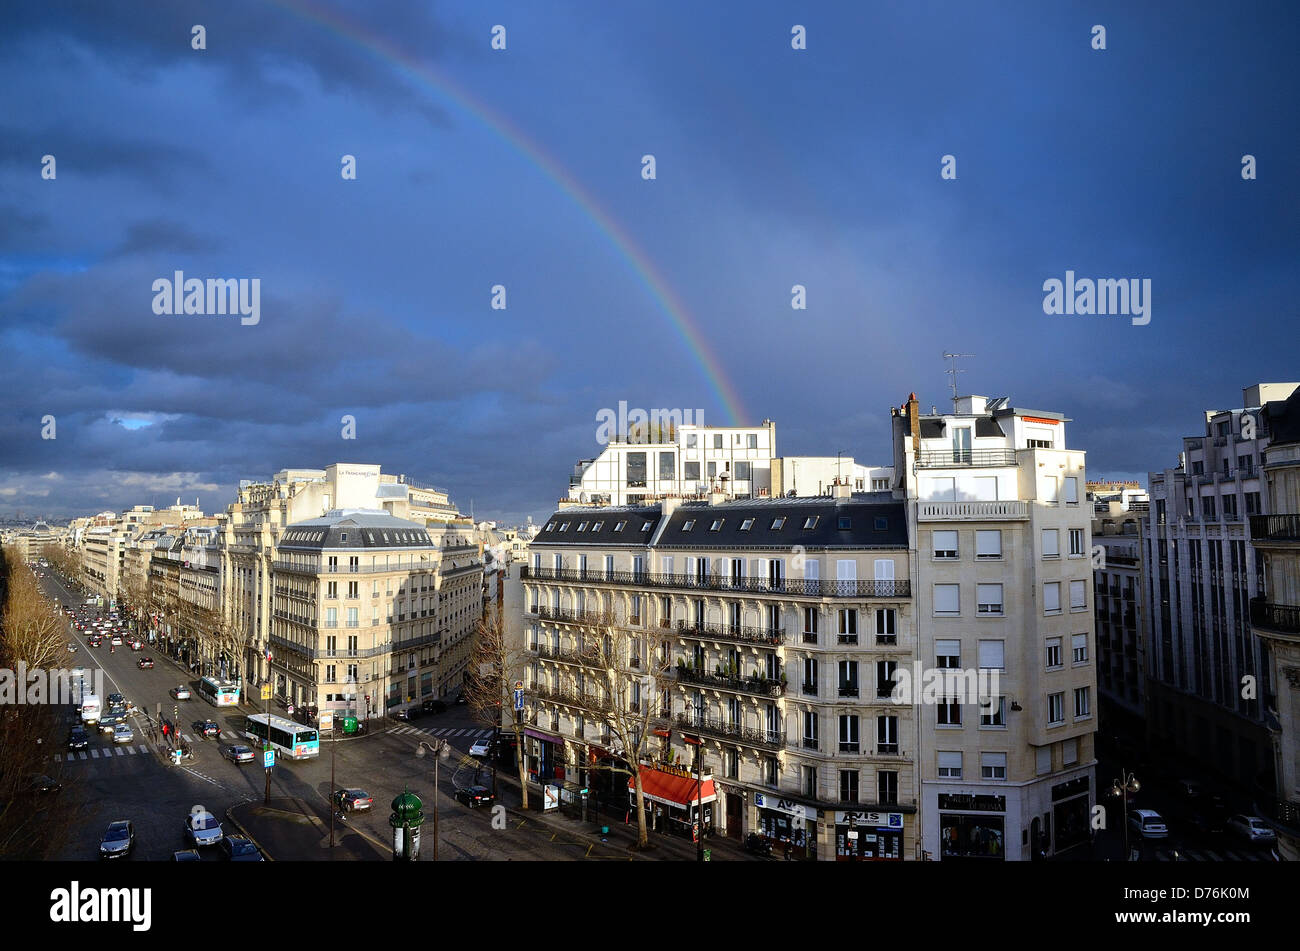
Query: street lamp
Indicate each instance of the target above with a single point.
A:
(442, 752)
(1127, 783)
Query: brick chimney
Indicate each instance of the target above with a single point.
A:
(914, 421)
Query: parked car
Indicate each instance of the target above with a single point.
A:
(238, 754)
(122, 734)
(203, 828)
(145, 663)
(118, 841)
(353, 800)
(235, 848)
(474, 796)
(1147, 823)
(207, 728)
(1251, 828)
(180, 692)
(480, 748)
(187, 855)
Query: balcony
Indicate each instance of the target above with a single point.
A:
(971, 511)
(1275, 618)
(1280, 528)
(764, 739)
(810, 637)
(582, 658)
(796, 587)
(946, 458)
(736, 633)
(571, 698)
(571, 617)
(848, 690)
(758, 686)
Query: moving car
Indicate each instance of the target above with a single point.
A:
(203, 828)
(353, 800)
(236, 848)
(137, 645)
(1251, 828)
(434, 706)
(187, 855)
(180, 692)
(238, 754)
(480, 748)
(118, 840)
(116, 641)
(122, 734)
(474, 796)
(207, 728)
(78, 738)
(115, 700)
(41, 785)
(145, 663)
(1147, 823)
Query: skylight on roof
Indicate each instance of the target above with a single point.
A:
(747, 524)
(688, 525)
(619, 526)
(717, 524)
(811, 522)
(777, 524)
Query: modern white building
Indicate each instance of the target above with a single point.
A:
(997, 510)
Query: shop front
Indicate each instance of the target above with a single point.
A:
(972, 827)
(785, 821)
(1070, 814)
(544, 757)
(675, 801)
(868, 836)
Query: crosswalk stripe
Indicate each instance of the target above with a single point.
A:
(82, 755)
(143, 748)
(129, 749)
(94, 754)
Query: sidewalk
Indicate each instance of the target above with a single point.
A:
(295, 830)
(622, 835)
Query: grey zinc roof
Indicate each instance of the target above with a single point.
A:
(355, 528)
(871, 524)
(600, 527)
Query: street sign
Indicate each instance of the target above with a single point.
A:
(519, 685)
(519, 699)
(266, 691)
(268, 758)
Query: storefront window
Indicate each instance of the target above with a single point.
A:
(971, 836)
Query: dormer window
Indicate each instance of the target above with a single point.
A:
(596, 527)
(564, 526)
(343, 536)
(619, 526)
(690, 524)
(582, 526)
(747, 524)
(550, 526)
(717, 524)
(645, 526)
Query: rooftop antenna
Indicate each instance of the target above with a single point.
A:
(953, 371)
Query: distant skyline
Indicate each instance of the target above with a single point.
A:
(479, 168)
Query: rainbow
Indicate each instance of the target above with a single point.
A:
(669, 302)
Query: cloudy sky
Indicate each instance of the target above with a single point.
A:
(522, 167)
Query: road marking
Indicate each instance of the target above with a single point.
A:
(82, 755)
(143, 748)
(94, 754)
(129, 749)
(120, 751)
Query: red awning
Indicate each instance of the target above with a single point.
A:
(663, 733)
(672, 790)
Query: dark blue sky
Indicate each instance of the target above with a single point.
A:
(775, 167)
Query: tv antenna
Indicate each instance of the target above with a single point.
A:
(953, 370)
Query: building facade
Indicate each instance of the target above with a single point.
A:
(1275, 616)
(1120, 623)
(775, 628)
(996, 505)
(1207, 672)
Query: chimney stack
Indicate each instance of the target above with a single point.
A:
(914, 421)
(841, 490)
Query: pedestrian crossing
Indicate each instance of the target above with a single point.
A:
(1210, 855)
(107, 752)
(446, 732)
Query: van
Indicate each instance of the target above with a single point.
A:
(90, 709)
(1147, 823)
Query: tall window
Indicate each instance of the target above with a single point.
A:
(810, 625)
(331, 617)
(848, 678)
(886, 734)
(988, 598)
(885, 629)
(1076, 541)
(1052, 597)
(950, 765)
(885, 677)
(1082, 703)
(1053, 653)
(1051, 543)
(1078, 596)
(810, 676)
(848, 618)
(947, 600)
(848, 785)
(848, 733)
(810, 740)
(887, 787)
(988, 543)
(1079, 648)
(1055, 708)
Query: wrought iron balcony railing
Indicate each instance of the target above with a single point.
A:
(795, 587)
(759, 686)
(1284, 528)
(1283, 618)
(739, 633)
(765, 739)
(932, 459)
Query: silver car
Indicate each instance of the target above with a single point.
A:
(203, 828)
(1252, 828)
(122, 734)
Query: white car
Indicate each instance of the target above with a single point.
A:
(122, 734)
(1251, 828)
(180, 692)
(1147, 823)
(203, 828)
(480, 748)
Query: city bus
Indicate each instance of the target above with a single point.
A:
(289, 738)
(220, 693)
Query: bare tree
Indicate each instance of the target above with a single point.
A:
(32, 827)
(495, 665)
(623, 679)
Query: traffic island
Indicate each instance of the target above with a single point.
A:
(294, 830)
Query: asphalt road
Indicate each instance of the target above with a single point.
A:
(134, 782)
